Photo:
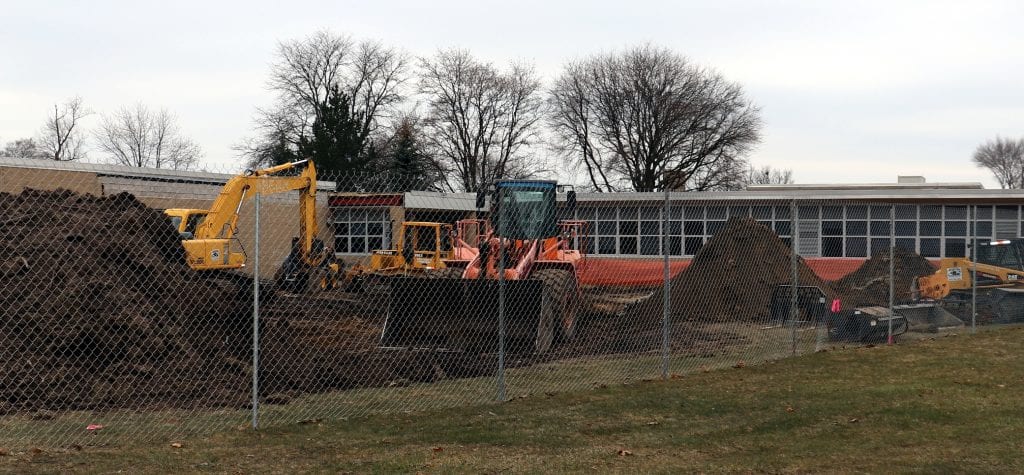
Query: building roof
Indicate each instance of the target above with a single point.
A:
(123, 171)
(905, 191)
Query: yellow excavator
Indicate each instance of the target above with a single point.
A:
(1000, 280)
(207, 234)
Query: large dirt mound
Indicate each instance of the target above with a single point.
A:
(733, 276)
(731, 279)
(869, 284)
(99, 309)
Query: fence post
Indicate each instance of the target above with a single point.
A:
(256, 316)
(501, 302)
(892, 267)
(974, 267)
(666, 287)
(794, 233)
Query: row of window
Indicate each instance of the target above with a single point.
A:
(838, 231)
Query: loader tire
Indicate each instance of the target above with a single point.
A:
(561, 287)
(545, 336)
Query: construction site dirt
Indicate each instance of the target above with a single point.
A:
(98, 310)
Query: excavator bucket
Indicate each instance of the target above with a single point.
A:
(927, 317)
(461, 314)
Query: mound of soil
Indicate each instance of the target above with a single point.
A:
(733, 276)
(869, 284)
(731, 279)
(99, 309)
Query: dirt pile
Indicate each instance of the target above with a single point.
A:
(99, 309)
(733, 276)
(869, 284)
(731, 279)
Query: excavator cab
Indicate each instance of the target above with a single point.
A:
(186, 220)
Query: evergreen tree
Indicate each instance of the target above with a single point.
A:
(335, 143)
(409, 163)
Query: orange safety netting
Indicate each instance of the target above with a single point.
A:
(649, 272)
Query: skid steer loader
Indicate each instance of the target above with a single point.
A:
(521, 263)
(1000, 280)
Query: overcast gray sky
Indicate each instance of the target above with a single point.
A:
(849, 91)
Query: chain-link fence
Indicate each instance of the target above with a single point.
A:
(146, 304)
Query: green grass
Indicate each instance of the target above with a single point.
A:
(946, 405)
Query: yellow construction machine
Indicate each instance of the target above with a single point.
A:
(999, 269)
(207, 234)
(420, 247)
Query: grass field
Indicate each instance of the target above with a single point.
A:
(946, 405)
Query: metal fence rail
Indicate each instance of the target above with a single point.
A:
(119, 323)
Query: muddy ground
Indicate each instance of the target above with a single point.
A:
(98, 310)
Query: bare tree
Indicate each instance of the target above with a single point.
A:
(305, 72)
(767, 175)
(23, 148)
(480, 121)
(647, 118)
(61, 137)
(1005, 159)
(139, 137)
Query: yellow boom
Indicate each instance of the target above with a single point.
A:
(207, 234)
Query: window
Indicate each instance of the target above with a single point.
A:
(856, 212)
(956, 212)
(956, 247)
(692, 245)
(985, 229)
(906, 228)
(856, 247)
(880, 212)
(831, 228)
(832, 247)
(361, 230)
(956, 228)
(650, 245)
(931, 212)
(931, 228)
(878, 245)
(627, 245)
(832, 212)
(879, 228)
(930, 247)
(675, 245)
(857, 228)
(907, 244)
(906, 212)
(1006, 213)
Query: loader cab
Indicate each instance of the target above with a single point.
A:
(1005, 253)
(525, 209)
